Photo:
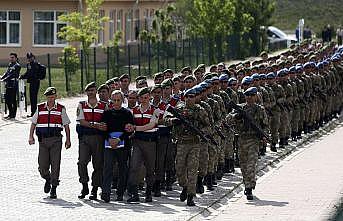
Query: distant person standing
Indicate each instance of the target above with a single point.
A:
(11, 80)
(34, 73)
(339, 34)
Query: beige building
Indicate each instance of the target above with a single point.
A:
(32, 25)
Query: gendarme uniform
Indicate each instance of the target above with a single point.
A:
(91, 144)
(249, 142)
(49, 124)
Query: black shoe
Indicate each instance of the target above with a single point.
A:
(120, 198)
(231, 166)
(105, 197)
(169, 182)
(200, 187)
(213, 180)
(219, 173)
(53, 192)
(190, 201)
(157, 188)
(281, 143)
(273, 147)
(248, 193)
(94, 193)
(47, 186)
(84, 191)
(134, 194)
(183, 195)
(208, 180)
(148, 196)
(227, 166)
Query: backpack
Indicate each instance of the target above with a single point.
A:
(42, 72)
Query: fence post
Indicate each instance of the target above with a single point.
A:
(175, 54)
(189, 52)
(166, 53)
(149, 56)
(139, 57)
(183, 52)
(108, 63)
(197, 51)
(66, 71)
(117, 56)
(81, 68)
(158, 56)
(94, 64)
(202, 50)
(49, 70)
(129, 61)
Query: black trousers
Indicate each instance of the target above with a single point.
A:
(11, 101)
(34, 88)
(121, 156)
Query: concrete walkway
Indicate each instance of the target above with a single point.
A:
(307, 185)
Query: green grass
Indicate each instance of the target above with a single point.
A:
(316, 13)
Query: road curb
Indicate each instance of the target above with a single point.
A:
(208, 210)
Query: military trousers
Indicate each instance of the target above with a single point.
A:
(91, 148)
(187, 163)
(144, 152)
(203, 159)
(248, 156)
(284, 124)
(274, 126)
(162, 159)
(49, 156)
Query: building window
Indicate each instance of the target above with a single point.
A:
(46, 26)
(128, 26)
(101, 35)
(112, 24)
(9, 28)
(120, 20)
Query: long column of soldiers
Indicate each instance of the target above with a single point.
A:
(195, 126)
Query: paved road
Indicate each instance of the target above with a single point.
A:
(305, 186)
(22, 197)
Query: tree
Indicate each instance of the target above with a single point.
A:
(209, 19)
(84, 29)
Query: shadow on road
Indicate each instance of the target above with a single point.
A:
(260, 202)
(62, 203)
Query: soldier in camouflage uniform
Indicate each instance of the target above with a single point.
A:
(187, 155)
(248, 151)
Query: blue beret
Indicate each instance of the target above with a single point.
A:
(255, 76)
(299, 68)
(208, 81)
(223, 77)
(247, 80)
(326, 63)
(190, 91)
(204, 85)
(285, 71)
(263, 76)
(271, 75)
(292, 69)
(215, 78)
(280, 73)
(320, 65)
(198, 89)
(232, 81)
(307, 65)
(250, 91)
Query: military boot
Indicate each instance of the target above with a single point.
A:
(94, 193)
(213, 179)
(183, 195)
(231, 166)
(209, 182)
(84, 191)
(157, 188)
(248, 193)
(227, 166)
(169, 182)
(281, 143)
(53, 192)
(47, 186)
(148, 196)
(134, 194)
(190, 201)
(219, 173)
(273, 147)
(200, 186)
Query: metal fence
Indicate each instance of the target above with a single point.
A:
(139, 58)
